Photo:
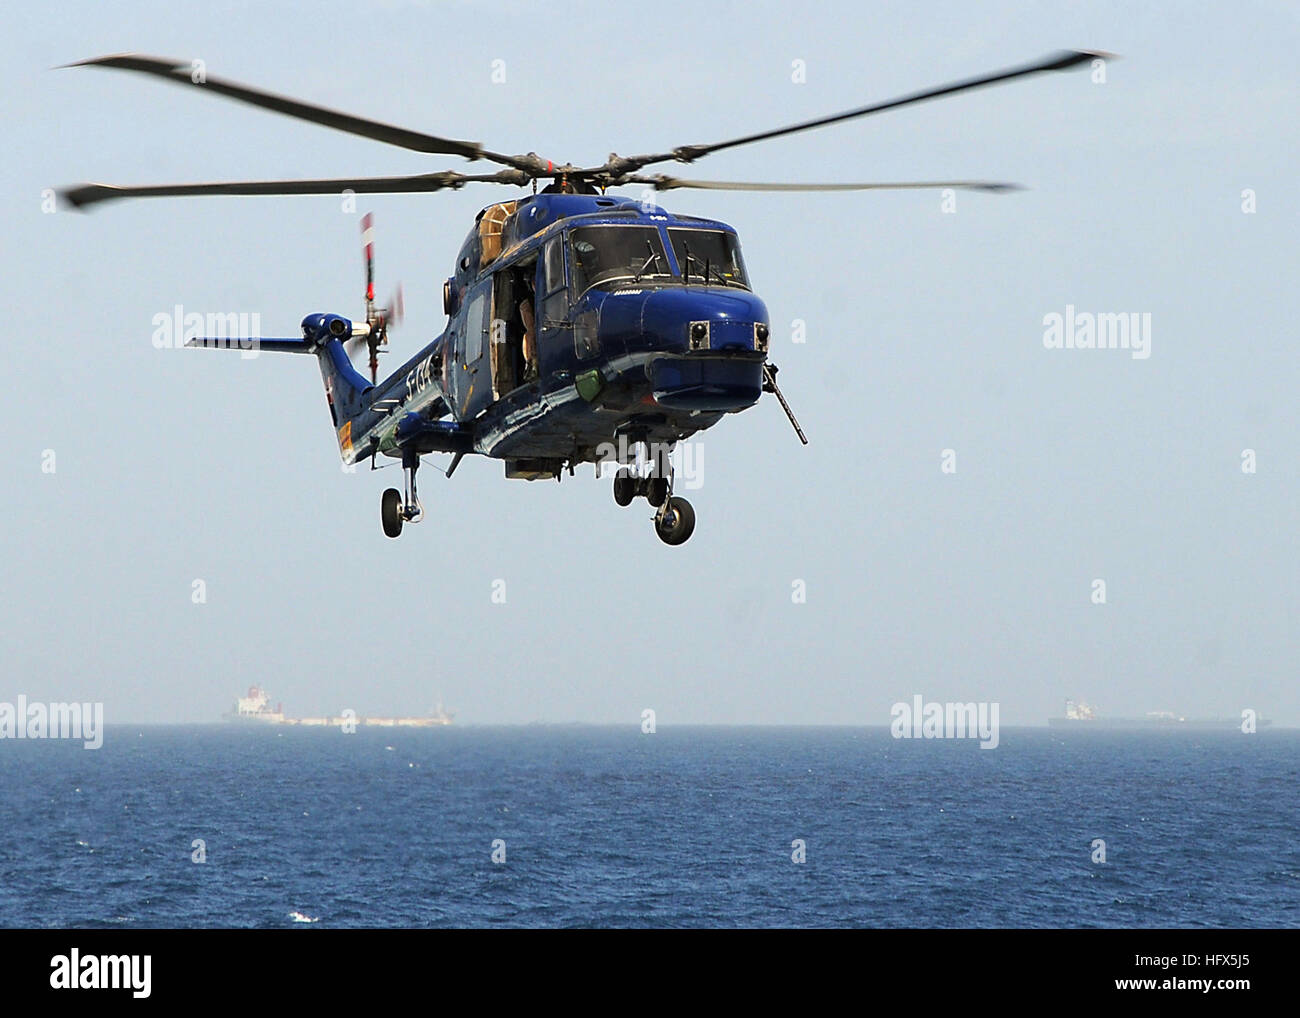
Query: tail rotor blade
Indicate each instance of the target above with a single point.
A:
(378, 319)
(368, 252)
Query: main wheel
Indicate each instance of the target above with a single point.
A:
(624, 488)
(656, 491)
(391, 512)
(676, 523)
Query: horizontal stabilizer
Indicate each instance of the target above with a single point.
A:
(275, 345)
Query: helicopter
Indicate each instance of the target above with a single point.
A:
(581, 326)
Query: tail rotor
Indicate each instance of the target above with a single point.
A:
(378, 319)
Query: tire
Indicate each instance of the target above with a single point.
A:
(624, 488)
(657, 491)
(683, 522)
(391, 512)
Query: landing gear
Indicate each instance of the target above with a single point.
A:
(396, 509)
(675, 521)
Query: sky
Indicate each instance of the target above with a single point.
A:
(139, 479)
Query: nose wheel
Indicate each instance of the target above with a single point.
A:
(675, 521)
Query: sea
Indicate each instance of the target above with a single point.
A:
(603, 826)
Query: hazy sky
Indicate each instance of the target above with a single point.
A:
(924, 332)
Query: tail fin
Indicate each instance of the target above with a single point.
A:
(345, 387)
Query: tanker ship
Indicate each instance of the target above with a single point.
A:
(255, 708)
(1081, 715)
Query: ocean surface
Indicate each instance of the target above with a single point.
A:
(689, 826)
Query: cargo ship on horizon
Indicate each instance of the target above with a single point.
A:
(255, 708)
(1082, 715)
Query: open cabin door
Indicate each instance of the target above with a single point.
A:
(513, 332)
(502, 336)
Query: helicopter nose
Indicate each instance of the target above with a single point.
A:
(699, 319)
(710, 337)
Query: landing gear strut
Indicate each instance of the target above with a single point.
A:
(397, 509)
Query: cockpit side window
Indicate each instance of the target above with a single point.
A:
(554, 265)
(555, 298)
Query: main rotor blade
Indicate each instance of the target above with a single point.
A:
(1064, 60)
(180, 72)
(92, 194)
(663, 182)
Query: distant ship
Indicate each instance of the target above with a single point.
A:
(1081, 715)
(255, 708)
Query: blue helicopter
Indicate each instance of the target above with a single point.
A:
(582, 326)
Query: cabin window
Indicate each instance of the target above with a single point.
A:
(476, 325)
(607, 254)
(709, 256)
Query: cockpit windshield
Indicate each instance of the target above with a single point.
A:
(709, 256)
(602, 254)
